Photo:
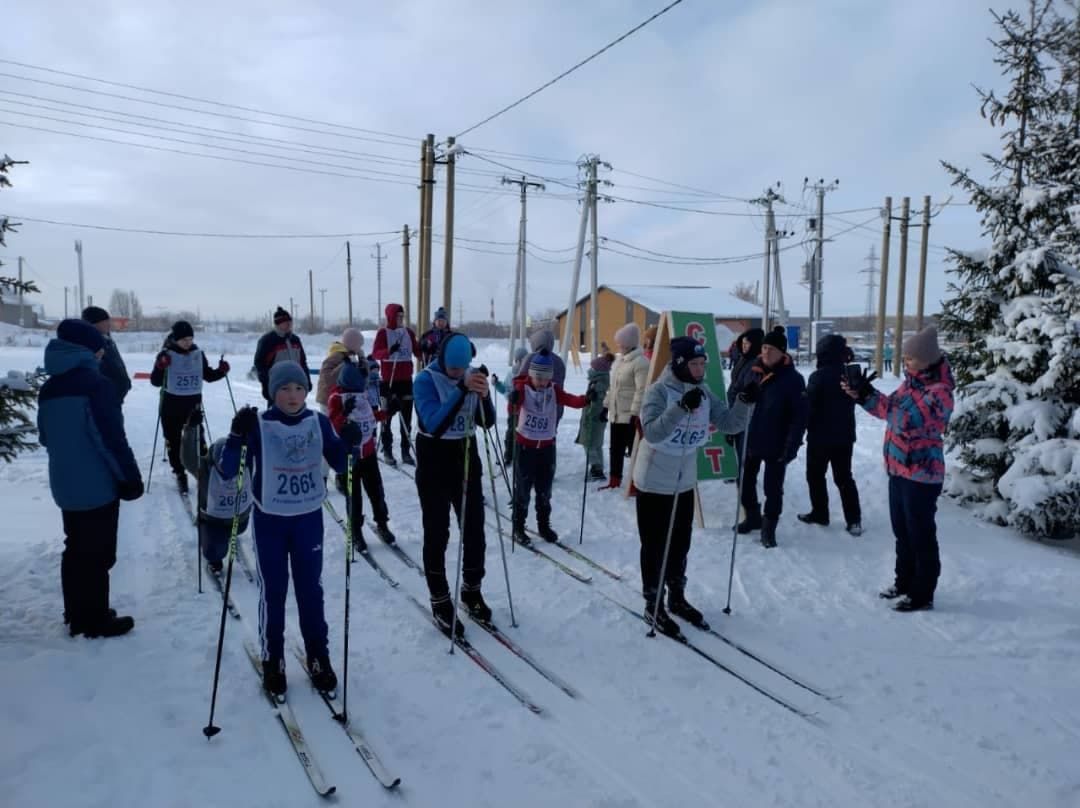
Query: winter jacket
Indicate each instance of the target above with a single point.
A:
(395, 366)
(209, 374)
(741, 371)
(435, 415)
(335, 358)
(273, 346)
(430, 342)
(538, 342)
(81, 425)
(591, 428)
(113, 369)
(656, 472)
(563, 399)
(336, 414)
(629, 377)
(780, 413)
(831, 420)
(916, 415)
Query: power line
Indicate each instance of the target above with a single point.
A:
(566, 73)
(196, 99)
(148, 232)
(701, 191)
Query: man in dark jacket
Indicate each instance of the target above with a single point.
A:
(776, 432)
(91, 468)
(279, 344)
(112, 364)
(433, 337)
(830, 436)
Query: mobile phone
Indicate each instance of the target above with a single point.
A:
(853, 373)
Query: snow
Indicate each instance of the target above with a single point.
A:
(688, 298)
(974, 704)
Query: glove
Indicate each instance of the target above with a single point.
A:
(223, 367)
(866, 389)
(130, 491)
(494, 378)
(692, 399)
(352, 434)
(163, 361)
(483, 370)
(245, 421)
(603, 415)
(750, 393)
(349, 406)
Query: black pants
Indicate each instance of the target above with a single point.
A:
(175, 412)
(367, 478)
(774, 487)
(511, 433)
(89, 554)
(818, 459)
(653, 518)
(912, 507)
(399, 398)
(440, 465)
(535, 470)
(620, 444)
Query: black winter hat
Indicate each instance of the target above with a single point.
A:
(80, 332)
(683, 349)
(95, 315)
(776, 338)
(181, 329)
(282, 316)
(832, 348)
(755, 335)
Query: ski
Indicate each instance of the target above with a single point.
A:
(573, 552)
(402, 556)
(761, 661)
(573, 573)
(482, 661)
(682, 640)
(365, 554)
(359, 742)
(288, 721)
(220, 584)
(525, 657)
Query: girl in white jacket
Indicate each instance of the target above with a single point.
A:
(629, 377)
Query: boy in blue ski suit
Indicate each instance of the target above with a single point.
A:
(217, 505)
(287, 444)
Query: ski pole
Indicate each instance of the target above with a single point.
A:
(498, 458)
(588, 428)
(516, 486)
(670, 527)
(228, 384)
(498, 515)
(738, 500)
(469, 404)
(343, 717)
(153, 452)
(210, 730)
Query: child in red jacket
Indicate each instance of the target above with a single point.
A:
(355, 418)
(535, 402)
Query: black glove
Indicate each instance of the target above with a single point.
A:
(352, 434)
(865, 389)
(692, 399)
(349, 406)
(483, 370)
(245, 421)
(395, 346)
(130, 491)
(749, 393)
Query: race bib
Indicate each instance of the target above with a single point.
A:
(292, 481)
(537, 420)
(221, 496)
(184, 374)
(362, 415)
(687, 437)
(445, 389)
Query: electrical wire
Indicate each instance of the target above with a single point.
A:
(150, 232)
(570, 70)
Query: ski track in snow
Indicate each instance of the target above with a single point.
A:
(973, 704)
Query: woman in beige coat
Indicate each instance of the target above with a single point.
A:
(629, 377)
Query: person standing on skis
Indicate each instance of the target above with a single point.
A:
(451, 398)
(395, 347)
(593, 422)
(676, 415)
(433, 337)
(278, 344)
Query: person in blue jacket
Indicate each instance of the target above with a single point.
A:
(287, 444)
(91, 468)
(451, 398)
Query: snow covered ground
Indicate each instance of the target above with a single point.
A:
(974, 704)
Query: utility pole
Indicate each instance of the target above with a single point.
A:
(521, 282)
(871, 282)
(594, 257)
(816, 267)
(311, 299)
(571, 307)
(448, 244)
(322, 293)
(378, 256)
(65, 301)
(405, 279)
(921, 294)
(22, 319)
(82, 295)
(886, 235)
(348, 277)
(901, 282)
(772, 258)
(424, 313)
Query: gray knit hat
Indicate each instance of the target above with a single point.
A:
(923, 346)
(282, 373)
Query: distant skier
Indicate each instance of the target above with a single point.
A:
(594, 418)
(112, 364)
(278, 344)
(217, 505)
(431, 339)
(180, 370)
(287, 443)
(395, 347)
(676, 415)
(451, 398)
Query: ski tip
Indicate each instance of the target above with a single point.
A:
(210, 731)
(328, 792)
(392, 784)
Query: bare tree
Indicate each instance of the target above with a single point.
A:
(745, 291)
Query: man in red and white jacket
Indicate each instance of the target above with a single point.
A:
(535, 402)
(395, 347)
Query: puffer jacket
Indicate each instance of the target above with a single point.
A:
(629, 377)
(780, 414)
(335, 358)
(656, 472)
(832, 411)
(591, 427)
(917, 414)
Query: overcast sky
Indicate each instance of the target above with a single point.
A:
(725, 97)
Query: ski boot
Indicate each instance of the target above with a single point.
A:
(813, 519)
(613, 483)
(182, 482)
(664, 624)
(67, 620)
(382, 530)
(854, 528)
(678, 606)
(111, 626)
(472, 600)
(274, 681)
(215, 567)
(443, 610)
(596, 473)
(751, 523)
(359, 543)
(892, 593)
(322, 675)
(546, 533)
(906, 604)
(388, 457)
(520, 536)
(406, 456)
(768, 532)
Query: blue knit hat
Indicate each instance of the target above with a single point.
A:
(456, 352)
(542, 365)
(284, 372)
(81, 333)
(353, 377)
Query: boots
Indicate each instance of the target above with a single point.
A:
(472, 600)
(322, 675)
(813, 519)
(382, 530)
(751, 523)
(679, 607)
(892, 593)
(596, 473)
(664, 624)
(519, 535)
(854, 528)
(768, 532)
(546, 533)
(274, 681)
(613, 482)
(111, 626)
(906, 604)
(182, 481)
(443, 611)
(406, 456)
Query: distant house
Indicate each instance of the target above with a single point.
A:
(642, 304)
(9, 311)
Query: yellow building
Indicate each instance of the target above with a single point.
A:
(642, 304)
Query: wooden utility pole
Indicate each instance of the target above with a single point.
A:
(348, 277)
(378, 256)
(448, 244)
(521, 285)
(770, 245)
(424, 188)
(65, 301)
(594, 258)
(571, 307)
(322, 318)
(311, 300)
(405, 278)
(923, 247)
(901, 282)
(883, 291)
(424, 314)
